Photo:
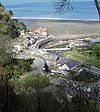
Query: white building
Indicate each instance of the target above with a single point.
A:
(63, 67)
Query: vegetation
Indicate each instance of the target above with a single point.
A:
(17, 67)
(9, 26)
(89, 55)
(36, 81)
(83, 76)
(95, 49)
(33, 92)
(14, 68)
(3, 38)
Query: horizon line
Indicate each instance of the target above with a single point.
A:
(48, 18)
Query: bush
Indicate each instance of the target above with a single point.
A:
(25, 64)
(95, 49)
(9, 26)
(35, 81)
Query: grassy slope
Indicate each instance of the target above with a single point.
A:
(83, 57)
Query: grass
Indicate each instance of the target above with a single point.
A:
(36, 81)
(81, 56)
(74, 54)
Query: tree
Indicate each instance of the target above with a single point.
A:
(11, 12)
(97, 4)
(6, 91)
(9, 26)
(1, 7)
(62, 5)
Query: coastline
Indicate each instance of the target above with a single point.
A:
(60, 27)
(56, 19)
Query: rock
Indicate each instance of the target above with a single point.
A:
(40, 64)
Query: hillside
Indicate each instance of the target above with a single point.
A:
(9, 27)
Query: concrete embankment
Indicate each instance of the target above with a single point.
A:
(42, 42)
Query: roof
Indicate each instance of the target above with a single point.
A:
(69, 62)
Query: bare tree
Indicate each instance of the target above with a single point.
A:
(62, 5)
(97, 4)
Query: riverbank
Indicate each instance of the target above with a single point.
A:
(66, 27)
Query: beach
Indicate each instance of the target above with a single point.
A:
(67, 27)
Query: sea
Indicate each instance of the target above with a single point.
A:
(82, 10)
